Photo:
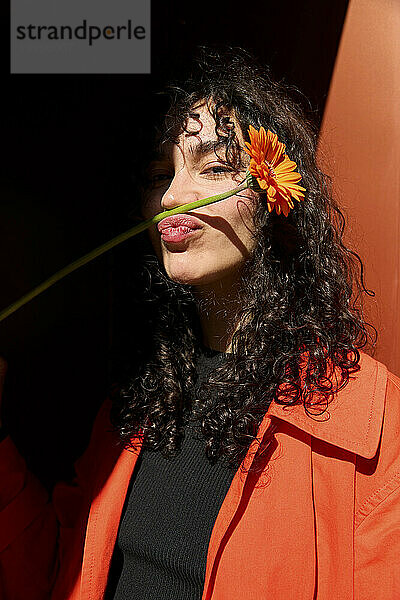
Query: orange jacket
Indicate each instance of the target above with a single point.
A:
(322, 522)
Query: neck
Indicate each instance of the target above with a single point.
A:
(217, 307)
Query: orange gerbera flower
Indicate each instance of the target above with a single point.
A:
(274, 171)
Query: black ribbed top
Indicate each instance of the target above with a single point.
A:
(168, 517)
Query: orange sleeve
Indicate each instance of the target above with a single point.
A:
(36, 531)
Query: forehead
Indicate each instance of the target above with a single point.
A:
(198, 135)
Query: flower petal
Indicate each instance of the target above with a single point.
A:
(273, 169)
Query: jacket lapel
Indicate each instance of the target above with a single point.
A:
(227, 512)
(353, 420)
(110, 491)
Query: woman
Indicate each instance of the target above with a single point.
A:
(253, 452)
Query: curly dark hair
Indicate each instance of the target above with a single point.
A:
(299, 320)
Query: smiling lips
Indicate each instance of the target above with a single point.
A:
(178, 227)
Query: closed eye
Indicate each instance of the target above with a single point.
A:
(157, 179)
(161, 177)
(217, 170)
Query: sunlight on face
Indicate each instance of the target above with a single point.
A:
(210, 257)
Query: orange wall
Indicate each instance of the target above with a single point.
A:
(360, 148)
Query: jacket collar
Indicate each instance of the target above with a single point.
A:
(353, 420)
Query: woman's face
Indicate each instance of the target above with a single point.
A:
(209, 256)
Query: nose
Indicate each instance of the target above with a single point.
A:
(181, 190)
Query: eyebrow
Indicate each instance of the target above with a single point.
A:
(201, 148)
(205, 147)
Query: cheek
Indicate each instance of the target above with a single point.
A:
(155, 240)
(151, 205)
(239, 212)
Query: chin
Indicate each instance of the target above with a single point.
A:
(196, 272)
(186, 278)
(202, 281)
(185, 274)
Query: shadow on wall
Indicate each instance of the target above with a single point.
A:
(66, 186)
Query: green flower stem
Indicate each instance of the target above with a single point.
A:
(122, 237)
